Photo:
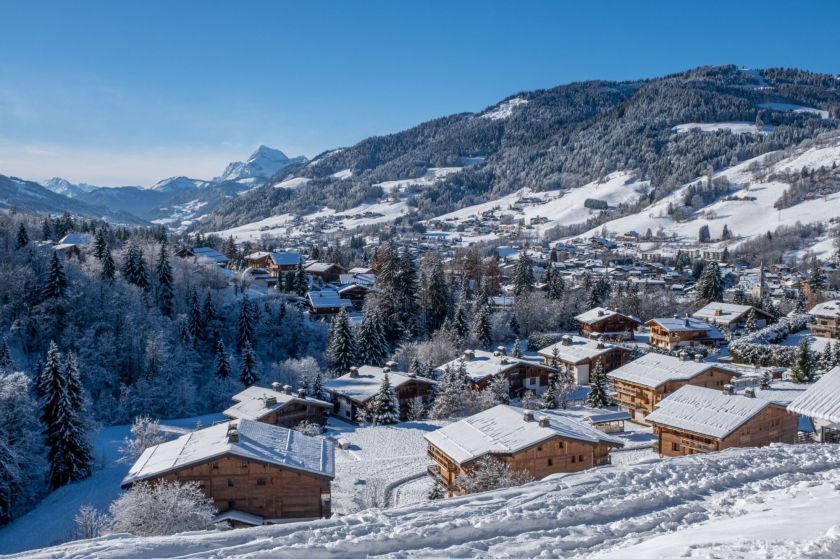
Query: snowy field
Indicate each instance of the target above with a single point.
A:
(734, 127)
(52, 520)
(780, 501)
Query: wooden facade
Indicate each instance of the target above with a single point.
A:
(615, 324)
(348, 408)
(772, 425)
(266, 490)
(552, 456)
(660, 336)
(640, 400)
(826, 327)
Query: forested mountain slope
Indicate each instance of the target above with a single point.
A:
(564, 137)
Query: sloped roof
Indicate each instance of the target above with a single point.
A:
(687, 324)
(729, 312)
(485, 364)
(578, 350)
(327, 299)
(593, 316)
(256, 441)
(655, 369)
(210, 254)
(320, 267)
(503, 430)
(251, 403)
(365, 386)
(828, 309)
(285, 258)
(706, 411)
(821, 400)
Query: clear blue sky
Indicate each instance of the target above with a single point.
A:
(118, 92)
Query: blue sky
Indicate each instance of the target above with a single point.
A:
(132, 92)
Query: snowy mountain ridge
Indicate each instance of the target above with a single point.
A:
(262, 164)
(723, 504)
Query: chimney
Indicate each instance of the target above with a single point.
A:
(391, 365)
(544, 421)
(683, 355)
(270, 401)
(727, 389)
(386, 369)
(232, 433)
(686, 322)
(287, 389)
(566, 340)
(698, 357)
(276, 386)
(501, 349)
(676, 317)
(302, 394)
(717, 312)
(469, 355)
(600, 345)
(600, 312)
(749, 392)
(528, 415)
(354, 372)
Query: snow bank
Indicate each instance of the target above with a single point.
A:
(726, 503)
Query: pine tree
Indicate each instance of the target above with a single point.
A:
(514, 324)
(459, 323)
(6, 364)
(710, 285)
(56, 285)
(342, 345)
(318, 385)
(210, 315)
(408, 309)
(704, 236)
(385, 408)
(247, 327)
(549, 397)
(165, 281)
(481, 327)
(134, 267)
(556, 287)
(451, 394)
(222, 361)
(565, 385)
(109, 270)
(195, 321)
(765, 381)
(597, 397)
(100, 244)
(517, 348)
(372, 346)
(248, 375)
(816, 278)
(22, 237)
(523, 274)
(803, 370)
(46, 229)
(500, 389)
(434, 292)
(69, 451)
(750, 325)
(827, 358)
(301, 281)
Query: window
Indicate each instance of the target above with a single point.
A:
(580, 458)
(215, 465)
(231, 504)
(550, 462)
(539, 449)
(675, 447)
(560, 444)
(230, 483)
(574, 459)
(262, 481)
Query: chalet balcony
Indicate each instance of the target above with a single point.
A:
(433, 470)
(603, 460)
(697, 445)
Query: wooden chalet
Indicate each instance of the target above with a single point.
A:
(641, 384)
(324, 272)
(275, 263)
(827, 319)
(352, 392)
(821, 403)
(204, 253)
(540, 443)
(326, 303)
(581, 354)
(255, 473)
(606, 322)
(695, 420)
(356, 293)
(732, 317)
(278, 405)
(483, 366)
(672, 333)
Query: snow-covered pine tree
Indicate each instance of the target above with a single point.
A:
(22, 237)
(517, 348)
(195, 320)
(826, 359)
(459, 323)
(556, 287)
(750, 325)
(597, 397)
(523, 274)
(222, 369)
(134, 266)
(407, 290)
(370, 337)
(318, 385)
(56, 284)
(765, 381)
(803, 367)
(247, 326)
(109, 269)
(514, 324)
(710, 285)
(450, 395)
(434, 294)
(69, 452)
(565, 385)
(301, 281)
(415, 368)
(342, 345)
(385, 408)
(549, 397)
(165, 294)
(499, 389)
(100, 244)
(481, 327)
(46, 229)
(248, 375)
(6, 363)
(211, 315)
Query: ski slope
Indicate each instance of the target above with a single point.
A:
(779, 501)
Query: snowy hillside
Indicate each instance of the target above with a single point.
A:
(779, 501)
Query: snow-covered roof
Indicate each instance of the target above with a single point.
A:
(252, 403)
(655, 369)
(575, 349)
(210, 254)
(593, 316)
(327, 299)
(687, 324)
(363, 387)
(255, 441)
(483, 364)
(503, 430)
(74, 239)
(827, 309)
(724, 313)
(320, 267)
(285, 258)
(821, 400)
(257, 255)
(706, 411)
(607, 417)
(239, 516)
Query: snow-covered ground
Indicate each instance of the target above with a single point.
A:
(780, 501)
(433, 175)
(52, 520)
(504, 110)
(734, 127)
(793, 108)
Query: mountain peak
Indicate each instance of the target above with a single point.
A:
(67, 188)
(262, 164)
